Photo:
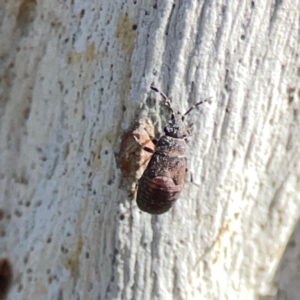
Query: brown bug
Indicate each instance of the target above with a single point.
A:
(133, 158)
(162, 181)
(132, 155)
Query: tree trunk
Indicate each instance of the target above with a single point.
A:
(75, 75)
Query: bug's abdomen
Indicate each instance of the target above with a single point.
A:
(156, 196)
(163, 179)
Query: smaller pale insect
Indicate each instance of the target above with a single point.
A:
(133, 159)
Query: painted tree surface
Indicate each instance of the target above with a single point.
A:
(75, 75)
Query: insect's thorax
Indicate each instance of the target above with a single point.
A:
(171, 146)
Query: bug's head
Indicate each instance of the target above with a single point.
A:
(176, 127)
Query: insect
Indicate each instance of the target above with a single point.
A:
(163, 179)
(133, 159)
(135, 139)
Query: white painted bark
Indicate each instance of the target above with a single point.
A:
(69, 69)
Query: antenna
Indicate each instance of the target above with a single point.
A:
(168, 101)
(197, 104)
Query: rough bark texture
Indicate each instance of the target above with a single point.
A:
(74, 75)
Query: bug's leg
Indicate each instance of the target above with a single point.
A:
(146, 160)
(132, 192)
(192, 177)
(189, 131)
(153, 138)
(154, 141)
(148, 149)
